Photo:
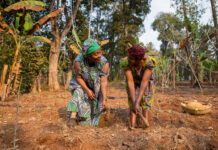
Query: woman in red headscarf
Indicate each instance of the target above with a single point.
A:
(138, 69)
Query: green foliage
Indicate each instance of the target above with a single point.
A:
(32, 61)
(28, 5)
(76, 37)
(7, 50)
(170, 31)
(122, 23)
(28, 24)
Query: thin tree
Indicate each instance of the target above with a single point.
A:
(90, 18)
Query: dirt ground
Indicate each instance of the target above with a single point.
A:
(42, 122)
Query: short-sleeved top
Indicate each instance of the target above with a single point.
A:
(137, 76)
(91, 75)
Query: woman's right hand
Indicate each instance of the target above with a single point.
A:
(91, 95)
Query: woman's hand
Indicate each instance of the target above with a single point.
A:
(91, 95)
(138, 107)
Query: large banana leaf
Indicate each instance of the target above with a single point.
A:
(129, 44)
(137, 41)
(28, 24)
(76, 37)
(28, 5)
(75, 49)
(38, 38)
(17, 20)
(26, 18)
(104, 42)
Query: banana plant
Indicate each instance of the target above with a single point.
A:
(76, 46)
(24, 27)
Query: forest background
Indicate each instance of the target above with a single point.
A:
(40, 39)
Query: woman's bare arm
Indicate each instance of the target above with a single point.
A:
(131, 85)
(104, 85)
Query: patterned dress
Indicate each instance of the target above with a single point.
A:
(80, 102)
(148, 96)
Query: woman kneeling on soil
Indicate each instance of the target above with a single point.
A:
(139, 82)
(88, 85)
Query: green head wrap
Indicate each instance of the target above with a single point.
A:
(89, 46)
(94, 47)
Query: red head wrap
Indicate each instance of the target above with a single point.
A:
(138, 52)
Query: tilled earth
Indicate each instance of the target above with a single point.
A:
(42, 123)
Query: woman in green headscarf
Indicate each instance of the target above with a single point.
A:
(88, 85)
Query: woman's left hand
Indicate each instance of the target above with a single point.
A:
(137, 107)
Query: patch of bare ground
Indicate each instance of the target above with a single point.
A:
(42, 122)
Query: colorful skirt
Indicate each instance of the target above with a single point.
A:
(148, 97)
(87, 109)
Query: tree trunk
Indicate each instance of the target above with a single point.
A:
(3, 76)
(163, 80)
(201, 72)
(183, 72)
(174, 71)
(213, 6)
(34, 86)
(53, 66)
(39, 83)
(188, 47)
(3, 94)
(210, 77)
(17, 71)
(70, 69)
(58, 36)
(10, 77)
(197, 72)
(90, 18)
(174, 65)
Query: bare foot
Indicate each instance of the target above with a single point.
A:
(147, 123)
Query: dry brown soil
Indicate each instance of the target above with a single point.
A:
(42, 123)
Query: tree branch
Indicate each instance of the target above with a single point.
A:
(65, 10)
(38, 25)
(51, 6)
(54, 26)
(70, 21)
(211, 42)
(208, 37)
(52, 19)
